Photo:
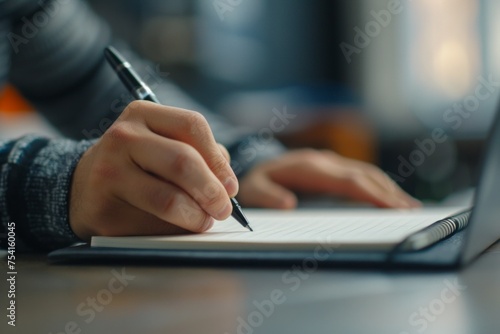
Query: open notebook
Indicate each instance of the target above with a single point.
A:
(359, 229)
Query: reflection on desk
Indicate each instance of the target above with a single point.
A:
(157, 299)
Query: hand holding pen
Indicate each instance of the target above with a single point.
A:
(141, 91)
(157, 170)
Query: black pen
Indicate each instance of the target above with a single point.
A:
(141, 91)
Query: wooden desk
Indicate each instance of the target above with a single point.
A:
(216, 300)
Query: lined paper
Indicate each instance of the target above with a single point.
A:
(297, 230)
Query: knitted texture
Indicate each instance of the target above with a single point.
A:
(35, 183)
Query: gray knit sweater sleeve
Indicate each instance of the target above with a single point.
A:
(35, 182)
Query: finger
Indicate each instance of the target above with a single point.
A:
(163, 200)
(190, 127)
(225, 153)
(363, 188)
(331, 176)
(393, 195)
(265, 193)
(359, 186)
(386, 186)
(389, 187)
(180, 164)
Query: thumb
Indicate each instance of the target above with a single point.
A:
(265, 193)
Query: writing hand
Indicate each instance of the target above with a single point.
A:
(157, 170)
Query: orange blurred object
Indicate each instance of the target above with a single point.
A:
(12, 102)
(347, 133)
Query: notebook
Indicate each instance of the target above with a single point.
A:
(304, 230)
(426, 239)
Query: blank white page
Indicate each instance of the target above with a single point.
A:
(297, 230)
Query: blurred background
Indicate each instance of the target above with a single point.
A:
(370, 79)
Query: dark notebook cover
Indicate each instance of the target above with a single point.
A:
(443, 255)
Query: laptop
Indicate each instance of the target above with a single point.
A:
(429, 238)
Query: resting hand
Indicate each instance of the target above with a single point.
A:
(271, 184)
(157, 170)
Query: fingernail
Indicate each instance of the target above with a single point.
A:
(225, 212)
(231, 185)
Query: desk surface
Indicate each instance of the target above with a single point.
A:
(156, 299)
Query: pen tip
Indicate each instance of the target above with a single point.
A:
(248, 227)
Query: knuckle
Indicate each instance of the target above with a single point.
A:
(212, 197)
(120, 133)
(197, 124)
(225, 152)
(219, 165)
(184, 161)
(134, 107)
